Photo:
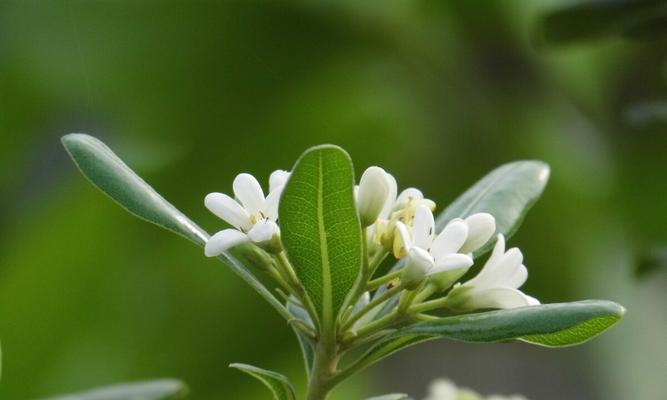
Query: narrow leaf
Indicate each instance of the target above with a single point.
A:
(507, 193)
(278, 384)
(164, 389)
(550, 325)
(304, 344)
(320, 228)
(112, 176)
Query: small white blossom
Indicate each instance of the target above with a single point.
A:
(444, 389)
(251, 214)
(372, 193)
(497, 284)
(427, 253)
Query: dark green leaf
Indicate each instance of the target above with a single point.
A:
(279, 385)
(112, 176)
(164, 389)
(550, 325)
(638, 19)
(320, 228)
(507, 193)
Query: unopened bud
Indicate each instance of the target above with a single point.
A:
(372, 196)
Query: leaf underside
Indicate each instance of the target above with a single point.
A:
(550, 325)
(320, 228)
(279, 385)
(163, 389)
(111, 175)
(507, 193)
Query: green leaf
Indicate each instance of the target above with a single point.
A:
(549, 325)
(112, 176)
(304, 344)
(507, 193)
(638, 19)
(278, 384)
(320, 228)
(164, 389)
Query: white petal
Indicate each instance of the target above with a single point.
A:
(403, 245)
(442, 389)
(422, 228)
(372, 196)
(504, 269)
(272, 202)
(407, 195)
(517, 278)
(263, 231)
(362, 302)
(501, 297)
(228, 209)
(451, 262)
(419, 264)
(278, 178)
(224, 240)
(481, 227)
(249, 193)
(391, 198)
(450, 239)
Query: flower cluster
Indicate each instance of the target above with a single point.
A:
(398, 223)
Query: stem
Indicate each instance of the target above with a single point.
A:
(376, 283)
(322, 377)
(428, 305)
(376, 261)
(371, 305)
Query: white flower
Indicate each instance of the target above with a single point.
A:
(427, 253)
(373, 191)
(396, 209)
(253, 215)
(496, 285)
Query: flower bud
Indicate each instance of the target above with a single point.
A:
(373, 192)
(418, 263)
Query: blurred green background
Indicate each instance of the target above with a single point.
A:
(437, 92)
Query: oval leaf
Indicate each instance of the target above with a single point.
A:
(320, 228)
(549, 325)
(507, 193)
(163, 389)
(112, 176)
(279, 385)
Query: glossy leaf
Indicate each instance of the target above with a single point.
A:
(278, 384)
(507, 193)
(320, 228)
(111, 175)
(550, 325)
(164, 389)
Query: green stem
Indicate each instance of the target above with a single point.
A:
(371, 305)
(376, 283)
(428, 305)
(376, 261)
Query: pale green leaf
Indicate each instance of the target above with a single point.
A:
(549, 325)
(278, 384)
(112, 176)
(320, 228)
(164, 389)
(507, 193)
